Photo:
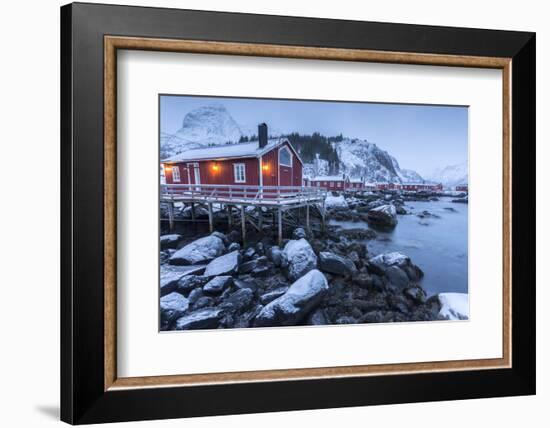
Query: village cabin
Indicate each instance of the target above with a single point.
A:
(424, 186)
(266, 162)
(462, 188)
(333, 183)
(355, 185)
(388, 186)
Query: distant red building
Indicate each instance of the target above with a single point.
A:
(462, 188)
(261, 163)
(333, 183)
(355, 184)
(388, 186)
(417, 187)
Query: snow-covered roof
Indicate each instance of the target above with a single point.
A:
(425, 183)
(328, 178)
(228, 151)
(356, 180)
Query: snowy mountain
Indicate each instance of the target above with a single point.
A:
(451, 175)
(360, 158)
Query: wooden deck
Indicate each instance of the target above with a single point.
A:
(277, 200)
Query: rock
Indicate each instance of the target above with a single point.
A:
(346, 319)
(218, 284)
(233, 236)
(382, 262)
(460, 200)
(203, 302)
(450, 209)
(234, 246)
(416, 294)
(372, 317)
(354, 257)
(399, 209)
(397, 277)
(238, 301)
(293, 306)
(299, 233)
(190, 282)
(255, 267)
(260, 249)
(454, 306)
(275, 254)
(383, 216)
(299, 257)
(194, 295)
(172, 306)
(272, 295)
(363, 280)
(336, 201)
(221, 236)
(199, 251)
(169, 281)
(228, 264)
(358, 233)
(427, 214)
(332, 263)
(169, 241)
(318, 317)
(201, 319)
(246, 283)
(249, 253)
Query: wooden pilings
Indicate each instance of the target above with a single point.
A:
(210, 218)
(280, 226)
(171, 215)
(243, 223)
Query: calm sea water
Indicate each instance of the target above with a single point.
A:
(439, 246)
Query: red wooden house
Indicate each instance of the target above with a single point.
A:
(424, 186)
(355, 184)
(462, 188)
(260, 163)
(334, 183)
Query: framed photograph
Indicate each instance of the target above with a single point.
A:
(266, 213)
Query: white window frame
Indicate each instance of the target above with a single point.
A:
(236, 168)
(176, 177)
(290, 154)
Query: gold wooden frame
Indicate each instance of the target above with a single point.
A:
(113, 43)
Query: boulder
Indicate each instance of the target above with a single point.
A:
(203, 302)
(397, 277)
(234, 246)
(201, 319)
(382, 262)
(169, 281)
(199, 251)
(416, 294)
(195, 295)
(383, 216)
(299, 258)
(299, 233)
(318, 317)
(272, 295)
(218, 284)
(169, 241)
(172, 306)
(333, 263)
(256, 267)
(363, 280)
(293, 306)
(190, 282)
(275, 254)
(228, 264)
(238, 301)
(358, 233)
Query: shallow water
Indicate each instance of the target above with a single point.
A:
(439, 246)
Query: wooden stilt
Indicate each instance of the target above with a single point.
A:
(210, 218)
(229, 216)
(307, 217)
(260, 218)
(171, 215)
(243, 224)
(280, 227)
(323, 211)
(192, 211)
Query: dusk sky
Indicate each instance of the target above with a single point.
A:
(420, 137)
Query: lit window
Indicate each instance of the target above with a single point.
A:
(285, 157)
(176, 174)
(239, 173)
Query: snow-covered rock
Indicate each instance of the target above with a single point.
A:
(200, 319)
(333, 263)
(190, 282)
(384, 215)
(381, 263)
(292, 307)
(335, 201)
(199, 251)
(170, 275)
(275, 254)
(299, 258)
(454, 306)
(172, 306)
(218, 284)
(228, 264)
(169, 241)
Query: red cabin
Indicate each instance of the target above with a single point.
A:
(417, 187)
(462, 188)
(333, 183)
(261, 163)
(355, 185)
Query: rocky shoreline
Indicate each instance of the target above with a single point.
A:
(314, 278)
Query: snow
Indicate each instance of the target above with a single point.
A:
(335, 201)
(226, 264)
(302, 296)
(386, 209)
(300, 258)
(174, 302)
(328, 178)
(454, 306)
(198, 251)
(226, 151)
(390, 259)
(170, 238)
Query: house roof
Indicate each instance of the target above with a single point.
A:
(356, 180)
(230, 151)
(328, 178)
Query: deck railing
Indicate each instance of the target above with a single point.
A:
(243, 193)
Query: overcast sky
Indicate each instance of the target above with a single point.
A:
(420, 137)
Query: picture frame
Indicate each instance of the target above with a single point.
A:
(91, 391)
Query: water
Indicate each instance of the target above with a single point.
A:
(439, 246)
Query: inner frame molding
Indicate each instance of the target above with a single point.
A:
(113, 43)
